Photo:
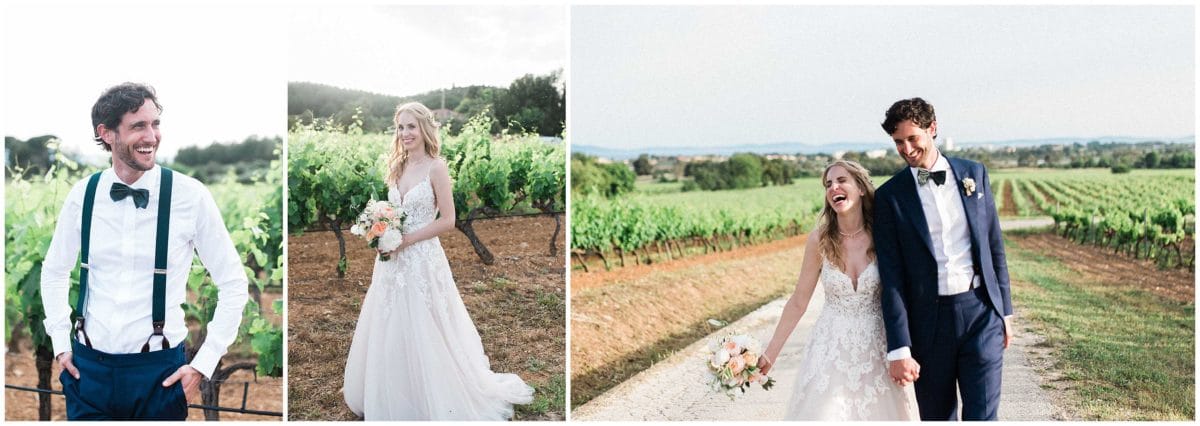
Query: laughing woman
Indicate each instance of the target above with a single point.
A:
(843, 375)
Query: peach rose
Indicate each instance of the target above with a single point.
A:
(736, 364)
(750, 358)
(377, 229)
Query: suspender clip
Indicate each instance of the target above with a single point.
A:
(158, 331)
(79, 330)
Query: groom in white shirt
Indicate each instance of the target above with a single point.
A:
(135, 228)
(946, 301)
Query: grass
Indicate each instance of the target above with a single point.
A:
(1129, 352)
(548, 397)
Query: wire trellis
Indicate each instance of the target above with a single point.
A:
(242, 410)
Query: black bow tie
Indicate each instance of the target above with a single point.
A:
(939, 177)
(141, 197)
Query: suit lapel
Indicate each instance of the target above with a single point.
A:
(910, 203)
(970, 204)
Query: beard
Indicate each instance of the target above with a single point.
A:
(126, 154)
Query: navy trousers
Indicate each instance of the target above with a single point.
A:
(124, 386)
(967, 351)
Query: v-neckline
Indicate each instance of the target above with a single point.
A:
(853, 281)
(404, 195)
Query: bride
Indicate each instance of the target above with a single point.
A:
(416, 355)
(843, 375)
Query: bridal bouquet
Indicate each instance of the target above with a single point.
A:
(733, 364)
(380, 225)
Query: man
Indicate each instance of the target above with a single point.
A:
(135, 228)
(946, 304)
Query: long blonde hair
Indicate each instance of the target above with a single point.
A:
(429, 132)
(830, 243)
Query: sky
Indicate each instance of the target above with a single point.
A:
(219, 71)
(406, 50)
(720, 75)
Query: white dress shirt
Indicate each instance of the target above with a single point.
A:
(947, 220)
(121, 260)
(948, 231)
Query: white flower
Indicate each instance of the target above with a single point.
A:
(390, 240)
(753, 345)
(720, 358)
(734, 381)
(358, 229)
(742, 340)
(968, 186)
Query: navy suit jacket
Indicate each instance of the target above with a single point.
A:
(906, 264)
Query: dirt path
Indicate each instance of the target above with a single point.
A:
(676, 388)
(625, 320)
(673, 388)
(517, 304)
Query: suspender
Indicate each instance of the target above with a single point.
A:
(160, 260)
(158, 314)
(89, 199)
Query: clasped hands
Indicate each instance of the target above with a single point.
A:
(190, 376)
(904, 371)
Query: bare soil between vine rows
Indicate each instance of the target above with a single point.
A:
(517, 304)
(1101, 265)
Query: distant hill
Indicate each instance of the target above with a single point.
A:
(802, 148)
(325, 100)
(320, 100)
(531, 103)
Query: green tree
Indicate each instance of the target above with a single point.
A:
(535, 104)
(32, 156)
(745, 171)
(1150, 160)
(642, 165)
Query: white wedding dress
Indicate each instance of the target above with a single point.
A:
(416, 355)
(843, 375)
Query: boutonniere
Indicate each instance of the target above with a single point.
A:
(968, 186)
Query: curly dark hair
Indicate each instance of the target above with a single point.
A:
(915, 109)
(115, 102)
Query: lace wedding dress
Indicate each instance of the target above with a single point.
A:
(843, 375)
(416, 355)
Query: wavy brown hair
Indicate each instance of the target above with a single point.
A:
(915, 109)
(429, 132)
(830, 243)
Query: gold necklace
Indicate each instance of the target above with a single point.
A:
(859, 231)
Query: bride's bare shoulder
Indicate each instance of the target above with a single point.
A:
(439, 167)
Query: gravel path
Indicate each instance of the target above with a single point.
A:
(676, 389)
